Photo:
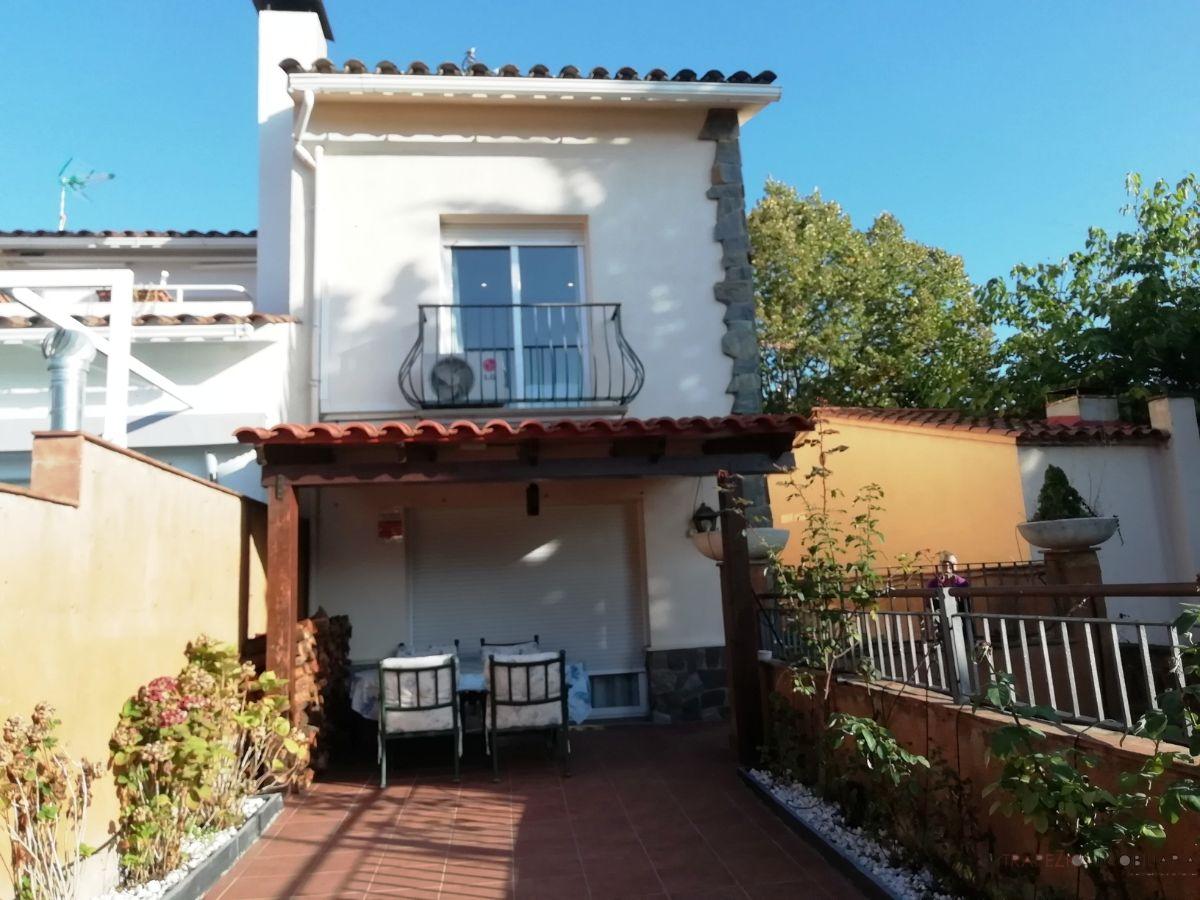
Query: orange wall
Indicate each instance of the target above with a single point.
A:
(109, 564)
(942, 490)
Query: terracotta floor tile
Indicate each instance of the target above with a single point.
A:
(554, 887)
(608, 845)
(545, 864)
(637, 883)
(766, 866)
(809, 889)
(724, 892)
(649, 812)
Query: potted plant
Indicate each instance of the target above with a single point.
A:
(705, 535)
(1063, 519)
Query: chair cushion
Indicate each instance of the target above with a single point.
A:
(544, 684)
(401, 721)
(404, 687)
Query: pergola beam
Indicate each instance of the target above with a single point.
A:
(417, 472)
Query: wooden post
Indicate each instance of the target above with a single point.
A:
(283, 579)
(741, 623)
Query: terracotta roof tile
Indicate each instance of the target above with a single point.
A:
(504, 431)
(1023, 431)
(41, 233)
(255, 319)
(387, 67)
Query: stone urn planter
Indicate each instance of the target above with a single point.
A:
(761, 542)
(1069, 534)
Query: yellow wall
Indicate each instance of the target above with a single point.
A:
(942, 489)
(100, 597)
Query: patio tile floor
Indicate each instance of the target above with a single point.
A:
(649, 811)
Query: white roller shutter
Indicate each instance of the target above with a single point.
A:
(566, 575)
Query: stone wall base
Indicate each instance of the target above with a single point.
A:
(688, 685)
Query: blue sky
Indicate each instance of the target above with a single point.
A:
(999, 131)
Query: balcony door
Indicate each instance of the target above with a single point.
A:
(517, 318)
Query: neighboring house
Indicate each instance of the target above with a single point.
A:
(511, 276)
(194, 320)
(955, 483)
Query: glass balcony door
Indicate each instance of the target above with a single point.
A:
(518, 321)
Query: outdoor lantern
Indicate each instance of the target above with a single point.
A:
(705, 518)
(391, 527)
(533, 499)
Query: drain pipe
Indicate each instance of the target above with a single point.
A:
(312, 163)
(69, 355)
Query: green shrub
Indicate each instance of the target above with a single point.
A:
(188, 750)
(1059, 500)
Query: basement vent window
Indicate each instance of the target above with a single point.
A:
(618, 691)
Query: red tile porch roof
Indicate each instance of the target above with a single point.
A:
(1023, 431)
(501, 431)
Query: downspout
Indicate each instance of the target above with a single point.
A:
(311, 163)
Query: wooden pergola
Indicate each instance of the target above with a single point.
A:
(295, 456)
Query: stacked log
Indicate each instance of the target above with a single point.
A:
(321, 692)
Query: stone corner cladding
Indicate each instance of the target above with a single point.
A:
(736, 289)
(687, 685)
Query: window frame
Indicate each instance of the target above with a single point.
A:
(514, 237)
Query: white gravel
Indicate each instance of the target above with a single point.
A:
(195, 851)
(826, 819)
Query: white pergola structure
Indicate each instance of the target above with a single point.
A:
(115, 347)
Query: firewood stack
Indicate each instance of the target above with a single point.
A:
(322, 688)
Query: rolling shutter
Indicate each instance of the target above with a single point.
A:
(565, 575)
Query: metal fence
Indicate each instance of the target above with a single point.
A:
(1089, 669)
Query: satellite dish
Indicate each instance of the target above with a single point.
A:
(451, 379)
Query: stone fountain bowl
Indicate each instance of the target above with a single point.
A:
(1069, 534)
(760, 541)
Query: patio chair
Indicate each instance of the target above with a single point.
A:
(418, 697)
(508, 647)
(527, 692)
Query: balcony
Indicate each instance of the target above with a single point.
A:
(542, 355)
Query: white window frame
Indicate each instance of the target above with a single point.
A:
(514, 237)
(622, 712)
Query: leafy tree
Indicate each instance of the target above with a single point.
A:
(861, 318)
(1120, 316)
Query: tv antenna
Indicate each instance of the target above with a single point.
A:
(75, 184)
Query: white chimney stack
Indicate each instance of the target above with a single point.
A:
(1082, 408)
(287, 29)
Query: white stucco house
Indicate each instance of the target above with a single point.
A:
(528, 350)
(484, 358)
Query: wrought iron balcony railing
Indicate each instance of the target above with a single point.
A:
(543, 354)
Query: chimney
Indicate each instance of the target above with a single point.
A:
(1073, 408)
(287, 29)
(69, 355)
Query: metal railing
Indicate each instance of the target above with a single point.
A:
(1089, 669)
(542, 354)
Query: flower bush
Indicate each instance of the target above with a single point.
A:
(189, 749)
(44, 797)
